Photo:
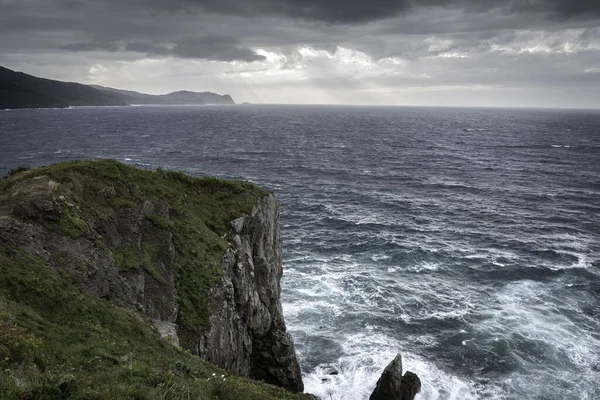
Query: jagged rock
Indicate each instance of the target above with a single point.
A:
(411, 385)
(393, 386)
(248, 334)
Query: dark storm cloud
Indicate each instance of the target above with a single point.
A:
(216, 48)
(90, 46)
(362, 11)
(98, 24)
(335, 11)
(561, 9)
(212, 47)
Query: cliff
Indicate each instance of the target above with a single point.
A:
(98, 260)
(247, 334)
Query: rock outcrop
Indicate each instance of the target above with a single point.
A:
(393, 386)
(247, 334)
(199, 258)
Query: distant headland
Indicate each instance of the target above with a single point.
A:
(20, 90)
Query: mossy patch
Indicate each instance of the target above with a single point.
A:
(158, 221)
(132, 258)
(119, 202)
(71, 224)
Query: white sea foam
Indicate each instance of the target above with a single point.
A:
(582, 262)
(475, 129)
(380, 257)
(365, 356)
(358, 215)
(536, 312)
(428, 340)
(426, 267)
(316, 307)
(423, 267)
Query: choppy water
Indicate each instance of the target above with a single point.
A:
(467, 240)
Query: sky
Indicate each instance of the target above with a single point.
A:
(508, 53)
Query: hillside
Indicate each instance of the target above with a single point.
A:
(180, 97)
(120, 283)
(20, 90)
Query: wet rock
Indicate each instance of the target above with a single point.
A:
(393, 386)
(411, 385)
(331, 371)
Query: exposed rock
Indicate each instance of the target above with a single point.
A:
(248, 335)
(411, 385)
(167, 331)
(393, 386)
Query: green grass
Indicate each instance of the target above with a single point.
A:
(71, 224)
(131, 258)
(158, 221)
(201, 209)
(59, 342)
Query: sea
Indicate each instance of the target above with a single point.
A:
(468, 240)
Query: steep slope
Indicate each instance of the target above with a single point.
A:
(14, 96)
(19, 90)
(97, 259)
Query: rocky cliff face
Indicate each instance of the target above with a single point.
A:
(247, 332)
(200, 258)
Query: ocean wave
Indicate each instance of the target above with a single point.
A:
(423, 267)
(475, 129)
(534, 319)
(581, 262)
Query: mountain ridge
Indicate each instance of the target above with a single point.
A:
(21, 90)
(177, 97)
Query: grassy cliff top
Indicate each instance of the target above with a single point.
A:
(79, 199)
(61, 340)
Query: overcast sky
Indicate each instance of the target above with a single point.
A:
(406, 52)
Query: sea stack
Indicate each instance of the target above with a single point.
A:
(393, 386)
